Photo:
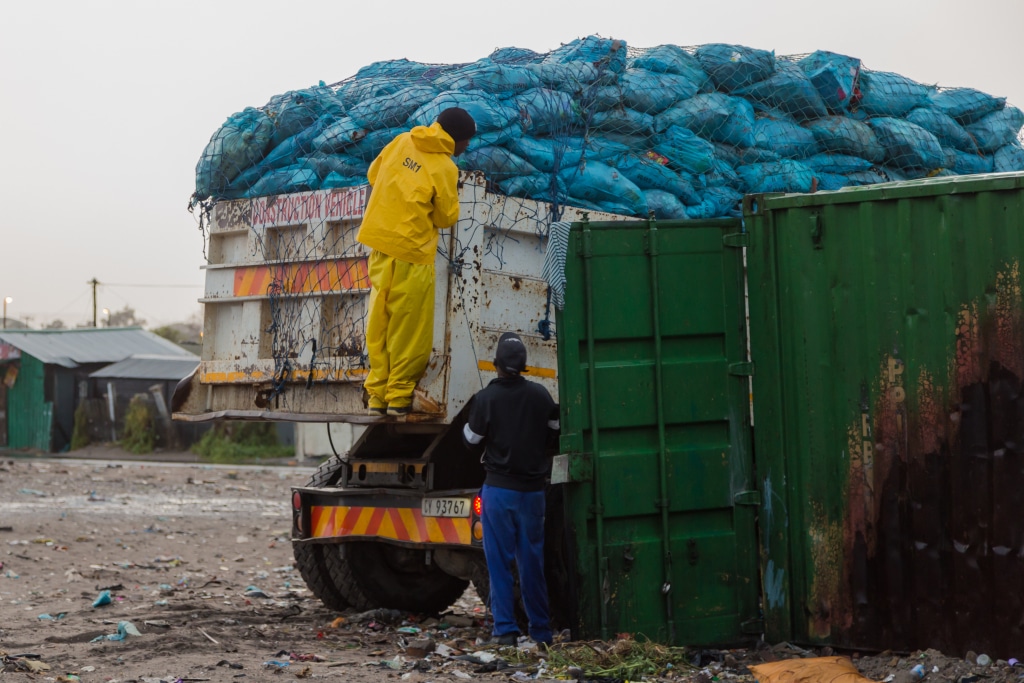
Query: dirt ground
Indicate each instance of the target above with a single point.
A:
(199, 572)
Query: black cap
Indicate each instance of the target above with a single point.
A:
(458, 123)
(510, 356)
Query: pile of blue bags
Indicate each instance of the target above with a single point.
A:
(680, 132)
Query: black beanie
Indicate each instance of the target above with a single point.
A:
(510, 356)
(457, 123)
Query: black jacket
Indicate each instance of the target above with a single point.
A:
(514, 418)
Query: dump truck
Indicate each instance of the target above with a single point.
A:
(802, 424)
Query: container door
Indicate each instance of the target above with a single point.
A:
(657, 461)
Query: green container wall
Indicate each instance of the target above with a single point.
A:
(889, 415)
(656, 431)
(29, 414)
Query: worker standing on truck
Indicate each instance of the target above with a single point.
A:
(514, 417)
(414, 194)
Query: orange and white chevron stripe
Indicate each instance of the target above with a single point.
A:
(399, 524)
(321, 277)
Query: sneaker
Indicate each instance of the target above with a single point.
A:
(507, 639)
(399, 411)
(377, 412)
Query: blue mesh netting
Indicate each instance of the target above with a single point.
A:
(675, 130)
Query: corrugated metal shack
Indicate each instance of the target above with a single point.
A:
(44, 374)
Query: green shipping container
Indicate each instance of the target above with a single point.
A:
(656, 432)
(889, 415)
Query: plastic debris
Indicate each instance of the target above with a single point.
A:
(103, 599)
(275, 664)
(32, 492)
(984, 660)
(124, 629)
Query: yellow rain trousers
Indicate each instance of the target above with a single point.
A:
(399, 328)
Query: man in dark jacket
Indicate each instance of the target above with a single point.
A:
(514, 417)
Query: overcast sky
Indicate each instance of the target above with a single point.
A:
(108, 105)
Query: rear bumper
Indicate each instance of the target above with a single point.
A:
(335, 515)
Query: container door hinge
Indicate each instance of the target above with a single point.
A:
(736, 239)
(752, 627)
(745, 369)
(747, 498)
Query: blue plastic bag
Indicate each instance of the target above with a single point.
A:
(784, 137)
(831, 181)
(673, 59)
(684, 149)
(497, 163)
(788, 90)
(665, 205)
(605, 186)
(734, 66)
(999, 128)
(388, 111)
(342, 164)
(1008, 158)
(713, 116)
(239, 144)
(650, 175)
(716, 202)
(966, 163)
(651, 93)
(784, 175)
(399, 69)
(721, 174)
(602, 148)
(607, 53)
(948, 132)
(296, 146)
(296, 110)
(834, 76)
(869, 177)
(544, 111)
(535, 184)
(358, 89)
(838, 164)
(569, 77)
(497, 79)
(496, 137)
(739, 156)
(333, 180)
(487, 111)
(295, 178)
(337, 136)
(907, 146)
(623, 120)
(549, 155)
(368, 147)
(514, 55)
(842, 135)
(889, 94)
(966, 105)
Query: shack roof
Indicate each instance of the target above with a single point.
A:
(148, 366)
(71, 348)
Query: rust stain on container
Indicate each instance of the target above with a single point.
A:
(932, 540)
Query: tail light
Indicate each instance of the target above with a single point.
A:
(297, 511)
(478, 506)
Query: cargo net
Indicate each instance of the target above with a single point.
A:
(680, 132)
(673, 132)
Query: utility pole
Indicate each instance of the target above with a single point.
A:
(94, 282)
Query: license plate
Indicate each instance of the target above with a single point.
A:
(446, 507)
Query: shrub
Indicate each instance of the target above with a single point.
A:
(139, 426)
(233, 441)
(80, 437)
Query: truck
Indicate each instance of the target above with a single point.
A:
(801, 424)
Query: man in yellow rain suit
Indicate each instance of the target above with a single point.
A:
(414, 195)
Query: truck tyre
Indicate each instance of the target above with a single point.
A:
(482, 585)
(313, 560)
(336, 558)
(400, 578)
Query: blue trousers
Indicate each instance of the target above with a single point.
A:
(514, 531)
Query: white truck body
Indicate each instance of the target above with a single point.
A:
(286, 297)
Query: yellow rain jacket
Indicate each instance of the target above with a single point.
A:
(415, 194)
